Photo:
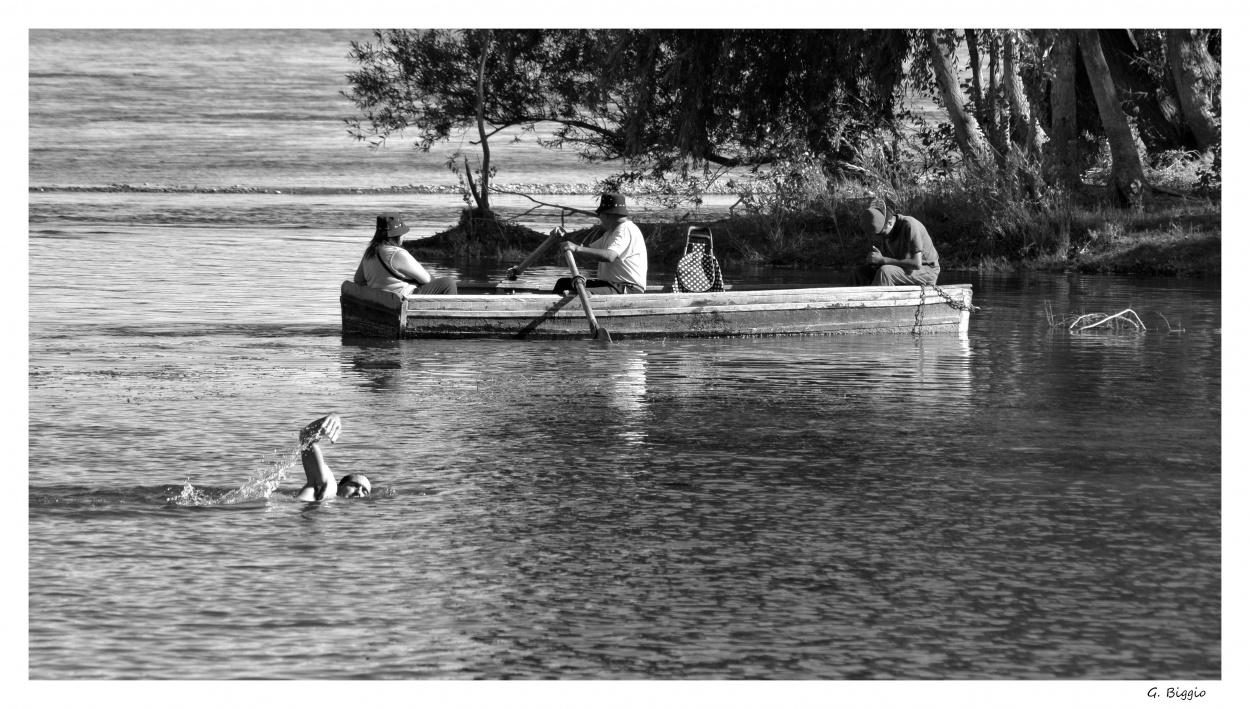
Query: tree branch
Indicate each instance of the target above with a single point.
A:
(574, 210)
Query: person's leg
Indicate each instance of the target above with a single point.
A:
(593, 285)
(862, 275)
(445, 285)
(896, 276)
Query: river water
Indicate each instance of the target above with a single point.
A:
(1019, 503)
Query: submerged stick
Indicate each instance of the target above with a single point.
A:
(1135, 322)
(1167, 322)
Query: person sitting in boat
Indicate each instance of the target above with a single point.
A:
(621, 252)
(388, 267)
(909, 257)
(320, 477)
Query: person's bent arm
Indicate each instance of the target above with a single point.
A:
(319, 477)
(359, 279)
(406, 265)
(597, 254)
(911, 263)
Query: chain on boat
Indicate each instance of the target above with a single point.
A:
(957, 305)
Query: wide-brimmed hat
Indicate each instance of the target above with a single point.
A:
(612, 203)
(392, 223)
(871, 221)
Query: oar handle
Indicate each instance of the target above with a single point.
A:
(518, 269)
(581, 292)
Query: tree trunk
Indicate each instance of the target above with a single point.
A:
(482, 194)
(1155, 111)
(1197, 78)
(967, 131)
(1127, 185)
(974, 63)
(993, 128)
(1062, 149)
(1024, 131)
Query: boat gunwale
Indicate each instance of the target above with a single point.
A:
(602, 297)
(517, 314)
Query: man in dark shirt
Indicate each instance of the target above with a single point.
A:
(909, 257)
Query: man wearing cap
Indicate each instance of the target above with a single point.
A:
(909, 257)
(387, 266)
(621, 252)
(320, 479)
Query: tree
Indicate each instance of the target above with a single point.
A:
(1197, 78)
(439, 81)
(967, 132)
(1128, 181)
(1024, 131)
(1143, 94)
(1062, 149)
(974, 63)
(994, 130)
(740, 98)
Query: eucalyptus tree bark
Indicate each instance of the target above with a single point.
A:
(1197, 77)
(1128, 181)
(1156, 112)
(974, 63)
(993, 127)
(1024, 131)
(1061, 150)
(967, 131)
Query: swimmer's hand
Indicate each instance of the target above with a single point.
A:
(329, 426)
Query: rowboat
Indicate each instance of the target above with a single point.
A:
(499, 310)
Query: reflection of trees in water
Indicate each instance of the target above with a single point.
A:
(376, 374)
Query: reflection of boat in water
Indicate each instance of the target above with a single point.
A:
(503, 311)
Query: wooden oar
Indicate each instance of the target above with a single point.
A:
(520, 267)
(599, 333)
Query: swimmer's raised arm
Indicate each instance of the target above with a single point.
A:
(328, 426)
(320, 479)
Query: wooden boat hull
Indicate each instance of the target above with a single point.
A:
(497, 311)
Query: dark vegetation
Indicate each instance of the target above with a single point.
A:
(1091, 150)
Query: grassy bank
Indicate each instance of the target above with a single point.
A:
(974, 225)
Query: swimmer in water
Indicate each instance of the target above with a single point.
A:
(320, 477)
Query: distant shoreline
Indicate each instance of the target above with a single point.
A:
(554, 188)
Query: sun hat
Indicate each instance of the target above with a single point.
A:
(612, 203)
(871, 221)
(392, 223)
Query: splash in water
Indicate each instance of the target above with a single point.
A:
(258, 487)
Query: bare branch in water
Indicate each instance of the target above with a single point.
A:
(1080, 323)
(1178, 327)
(1114, 320)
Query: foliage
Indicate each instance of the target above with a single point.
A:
(1210, 179)
(797, 122)
(426, 80)
(748, 97)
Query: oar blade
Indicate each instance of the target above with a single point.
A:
(602, 335)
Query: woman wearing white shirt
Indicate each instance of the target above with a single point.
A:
(387, 266)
